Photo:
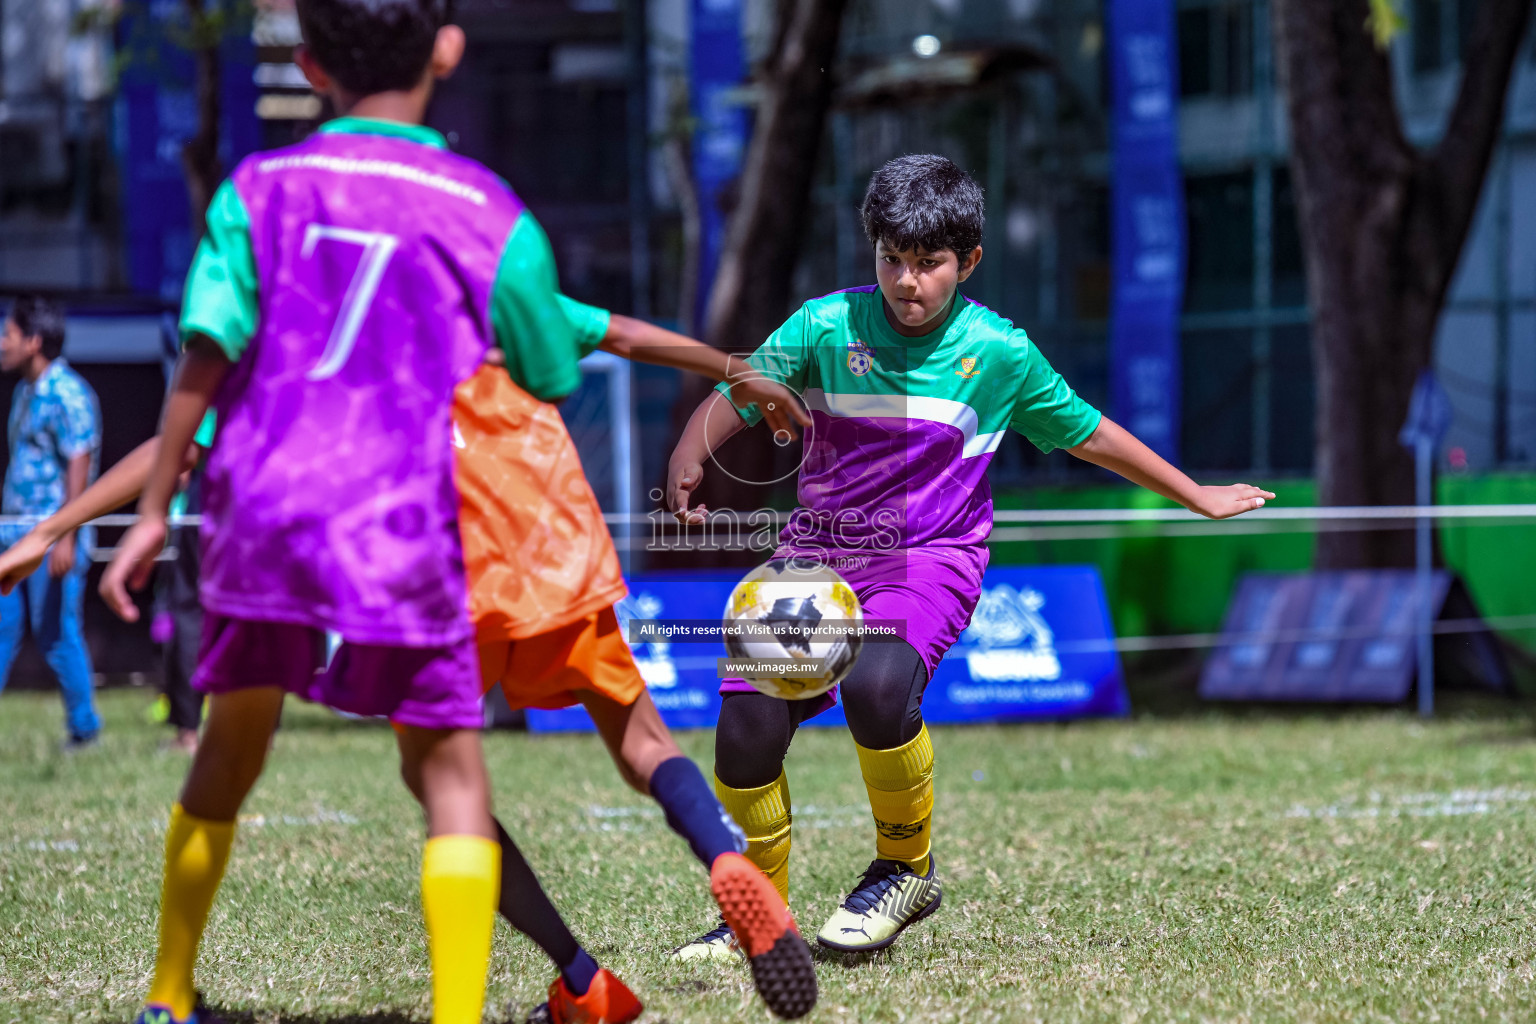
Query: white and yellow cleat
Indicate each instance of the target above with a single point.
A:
(718, 943)
(887, 899)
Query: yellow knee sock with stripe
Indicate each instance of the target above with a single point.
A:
(764, 815)
(196, 851)
(900, 784)
(460, 878)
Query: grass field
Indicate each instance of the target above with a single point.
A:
(1201, 867)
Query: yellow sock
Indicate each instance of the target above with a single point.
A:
(763, 814)
(460, 876)
(900, 784)
(196, 852)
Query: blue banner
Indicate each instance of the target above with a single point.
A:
(1040, 646)
(1147, 222)
(720, 138)
(156, 113)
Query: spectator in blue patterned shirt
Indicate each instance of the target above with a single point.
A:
(55, 438)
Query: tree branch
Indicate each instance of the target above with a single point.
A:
(752, 286)
(1457, 165)
(200, 154)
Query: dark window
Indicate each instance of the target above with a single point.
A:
(1220, 216)
(1236, 21)
(1089, 256)
(1291, 398)
(1287, 261)
(1216, 50)
(1427, 22)
(1440, 32)
(1195, 52)
(1218, 399)
(1466, 10)
(558, 138)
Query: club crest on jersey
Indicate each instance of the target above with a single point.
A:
(968, 367)
(860, 358)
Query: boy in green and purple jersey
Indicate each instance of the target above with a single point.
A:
(910, 387)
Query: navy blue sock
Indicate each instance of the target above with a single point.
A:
(578, 974)
(527, 908)
(693, 812)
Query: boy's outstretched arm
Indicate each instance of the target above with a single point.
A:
(713, 423)
(644, 342)
(199, 372)
(115, 488)
(1117, 450)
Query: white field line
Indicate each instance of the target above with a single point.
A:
(646, 817)
(1457, 803)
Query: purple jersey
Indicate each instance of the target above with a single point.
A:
(903, 429)
(330, 498)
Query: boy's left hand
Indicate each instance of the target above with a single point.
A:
(779, 405)
(1231, 500)
(62, 558)
(131, 566)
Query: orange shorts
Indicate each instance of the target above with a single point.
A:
(550, 669)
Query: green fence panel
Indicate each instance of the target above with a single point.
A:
(1183, 584)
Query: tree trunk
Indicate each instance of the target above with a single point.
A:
(753, 285)
(200, 154)
(1383, 226)
(675, 157)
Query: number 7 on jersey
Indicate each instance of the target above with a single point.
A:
(377, 249)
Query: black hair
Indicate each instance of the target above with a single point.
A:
(372, 46)
(924, 202)
(37, 317)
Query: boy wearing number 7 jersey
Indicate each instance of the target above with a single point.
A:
(344, 288)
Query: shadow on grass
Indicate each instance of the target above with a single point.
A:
(849, 961)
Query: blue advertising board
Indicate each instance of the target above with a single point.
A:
(1323, 636)
(682, 677)
(1147, 200)
(1040, 647)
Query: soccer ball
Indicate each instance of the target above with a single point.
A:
(771, 615)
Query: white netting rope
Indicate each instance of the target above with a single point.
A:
(1110, 523)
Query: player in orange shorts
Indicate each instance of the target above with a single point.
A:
(544, 577)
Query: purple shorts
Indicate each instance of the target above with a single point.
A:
(427, 687)
(929, 592)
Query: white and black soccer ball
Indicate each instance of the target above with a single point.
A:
(772, 615)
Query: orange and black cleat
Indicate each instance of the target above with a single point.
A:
(607, 1002)
(781, 961)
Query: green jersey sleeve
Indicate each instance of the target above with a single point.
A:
(784, 357)
(1047, 410)
(207, 430)
(530, 323)
(588, 322)
(221, 298)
